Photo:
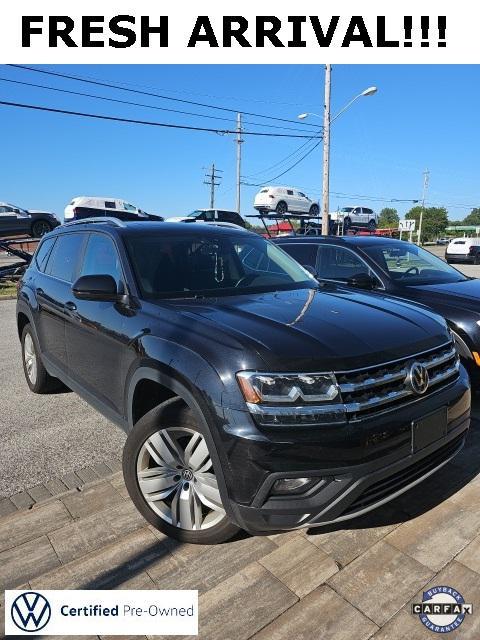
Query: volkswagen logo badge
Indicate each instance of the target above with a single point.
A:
(31, 611)
(187, 475)
(418, 378)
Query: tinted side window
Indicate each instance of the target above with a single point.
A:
(289, 192)
(337, 263)
(305, 254)
(43, 252)
(109, 205)
(64, 259)
(101, 258)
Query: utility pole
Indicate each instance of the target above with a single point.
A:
(211, 180)
(426, 179)
(326, 151)
(239, 143)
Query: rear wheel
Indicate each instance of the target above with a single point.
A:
(36, 375)
(170, 477)
(40, 228)
(372, 225)
(281, 207)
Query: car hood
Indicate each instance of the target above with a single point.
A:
(312, 329)
(465, 295)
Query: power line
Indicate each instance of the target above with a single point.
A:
(155, 95)
(147, 122)
(282, 161)
(139, 104)
(204, 95)
(259, 184)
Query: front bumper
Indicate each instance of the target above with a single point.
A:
(359, 467)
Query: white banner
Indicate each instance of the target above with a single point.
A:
(218, 32)
(85, 612)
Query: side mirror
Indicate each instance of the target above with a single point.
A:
(311, 270)
(362, 281)
(100, 288)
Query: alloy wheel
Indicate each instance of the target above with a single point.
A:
(175, 475)
(30, 358)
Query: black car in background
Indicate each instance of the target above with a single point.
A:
(252, 396)
(402, 269)
(16, 221)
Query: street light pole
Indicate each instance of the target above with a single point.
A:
(239, 142)
(426, 177)
(327, 121)
(326, 151)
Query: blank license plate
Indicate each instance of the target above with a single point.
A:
(429, 429)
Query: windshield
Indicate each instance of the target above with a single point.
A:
(410, 265)
(346, 210)
(190, 265)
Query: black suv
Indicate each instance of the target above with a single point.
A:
(252, 396)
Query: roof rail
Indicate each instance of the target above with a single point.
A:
(98, 219)
(216, 223)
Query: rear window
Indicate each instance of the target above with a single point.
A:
(43, 252)
(64, 258)
(305, 254)
(459, 242)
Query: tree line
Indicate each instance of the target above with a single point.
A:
(435, 220)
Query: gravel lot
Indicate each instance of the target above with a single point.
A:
(43, 437)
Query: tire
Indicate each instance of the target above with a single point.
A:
(40, 228)
(281, 207)
(372, 225)
(347, 223)
(175, 446)
(476, 259)
(38, 380)
(314, 210)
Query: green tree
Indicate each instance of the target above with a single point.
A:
(435, 221)
(473, 217)
(388, 218)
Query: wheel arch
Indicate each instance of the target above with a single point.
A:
(170, 384)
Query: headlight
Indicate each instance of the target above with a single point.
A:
(298, 388)
(302, 399)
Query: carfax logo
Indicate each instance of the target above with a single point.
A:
(442, 609)
(31, 611)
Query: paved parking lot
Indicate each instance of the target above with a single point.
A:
(356, 580)
(44, 436)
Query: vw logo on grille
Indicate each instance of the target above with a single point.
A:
(31, 611)
(418, 378)
(187, 474)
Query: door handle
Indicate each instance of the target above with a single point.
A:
(71, 306)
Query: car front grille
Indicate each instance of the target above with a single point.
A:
(396, 482)
(383, 388)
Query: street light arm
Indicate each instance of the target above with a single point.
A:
(347, 106)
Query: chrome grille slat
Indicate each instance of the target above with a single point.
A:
(386, 386)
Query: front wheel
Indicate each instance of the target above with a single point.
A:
(314, 210)
(347, 223)
(170, 477)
